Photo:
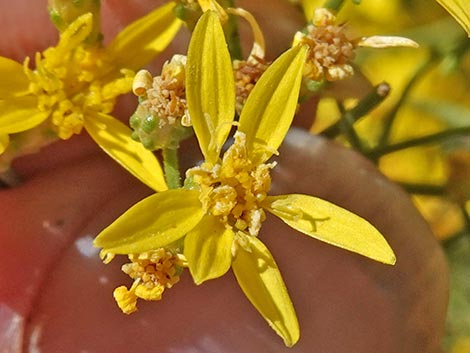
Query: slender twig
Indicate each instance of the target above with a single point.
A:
(389, 119)
(366, 105)
(425, 140)
(346, 125)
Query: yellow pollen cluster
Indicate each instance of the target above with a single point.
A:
(152, 272)
(69, 82)
(247, 73)
(234, 188)
(166, 96)
(330, 49)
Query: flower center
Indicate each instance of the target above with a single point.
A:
(234, 188)
(69, 80)
(331, 50)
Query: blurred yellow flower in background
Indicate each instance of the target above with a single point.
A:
(74, 85)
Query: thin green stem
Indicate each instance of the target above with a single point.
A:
(231, 32)
(171, 168)
(378, 152)
(390, 118)
(423, 189)
(366, 105)
(346, 125)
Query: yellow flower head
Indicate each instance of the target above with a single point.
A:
(74, 85)
(161, 120)
(68, 80)
(217, 216)
(331, 51)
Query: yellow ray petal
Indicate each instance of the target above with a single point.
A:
(332, 224)
(143, 39)
(270, 107)
(152, 223)
(210, 87)
(387, 42)
(115, 139)
(460, 10)
(208, 249)
(13, 82)
(260, 279)
(20, 114)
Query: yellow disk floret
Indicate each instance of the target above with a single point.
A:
(71, 81)
(234, 188)
(331, 51)
(152, 272)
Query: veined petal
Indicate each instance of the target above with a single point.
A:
(270, 107)
(460, 10)
(387, 42)
(145, 38)
(210, 86)
(4, 141)
(115, 139)
(208, 249)
(260, 279)
(19, 114)
(13, 81)
(332, 224)
(152, 223)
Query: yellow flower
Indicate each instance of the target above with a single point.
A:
(332, 51)
(460, 10)
(74, 85)
(218, 214)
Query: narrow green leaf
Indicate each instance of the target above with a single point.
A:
(115, 139)
(208, 249)
(152, 223)
(145, 38)
(260, 279)
(210, 87)
(332, 224)
(20, 114)
(14, 82)
(270, 107)
(460, 10)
